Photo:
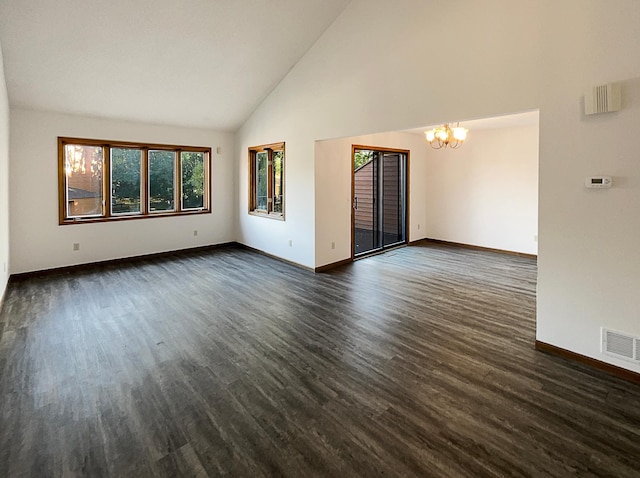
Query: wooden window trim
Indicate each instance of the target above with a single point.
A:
(269, 149)
(107, 215)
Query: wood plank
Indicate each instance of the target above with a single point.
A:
(416, 362)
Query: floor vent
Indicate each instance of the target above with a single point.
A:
(620, 345)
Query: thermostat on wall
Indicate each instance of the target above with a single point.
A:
(598, 182)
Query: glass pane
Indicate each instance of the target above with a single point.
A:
(261, 181)
(365, 165)
(392, 199)
(125, 180)
(278, 179)
(83, 168)
(361, 157)
(192, 171)
(161, 179)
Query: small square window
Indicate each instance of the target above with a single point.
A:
(266, 179)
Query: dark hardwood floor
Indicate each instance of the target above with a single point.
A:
(418, 362)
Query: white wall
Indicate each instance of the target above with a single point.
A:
(4, 181)
(357, 81)
(333, 190)
(271, 235)
(38, 242)
(486, 192)
(481, 59)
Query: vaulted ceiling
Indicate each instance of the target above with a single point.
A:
(196, 63)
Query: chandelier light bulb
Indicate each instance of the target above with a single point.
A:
(446, 136)
(460, 133)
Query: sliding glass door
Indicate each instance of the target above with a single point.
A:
(379, 199)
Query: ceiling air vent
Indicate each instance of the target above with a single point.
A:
(602, 99)
(620, 345)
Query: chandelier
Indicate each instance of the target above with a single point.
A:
(446, 136)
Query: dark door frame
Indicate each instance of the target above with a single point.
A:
(407, 153)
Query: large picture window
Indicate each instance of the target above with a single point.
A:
(108, 180)
(266, 180)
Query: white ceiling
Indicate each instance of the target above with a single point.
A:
(527, 118)
(197, 63)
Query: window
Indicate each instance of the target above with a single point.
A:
(162, 176)
(84, 186)
(126, 187)
(102, 180)
(192, 173)
(266, 171)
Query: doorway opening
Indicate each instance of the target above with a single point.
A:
(379, 198)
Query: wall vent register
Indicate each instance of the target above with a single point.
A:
(602, 99)
(620, 345)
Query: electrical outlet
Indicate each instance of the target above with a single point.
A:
(195, 232)
(333, 245)
(76, 246)
(535, 238)
(5, 266)
(418, 227)
(290, 242)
